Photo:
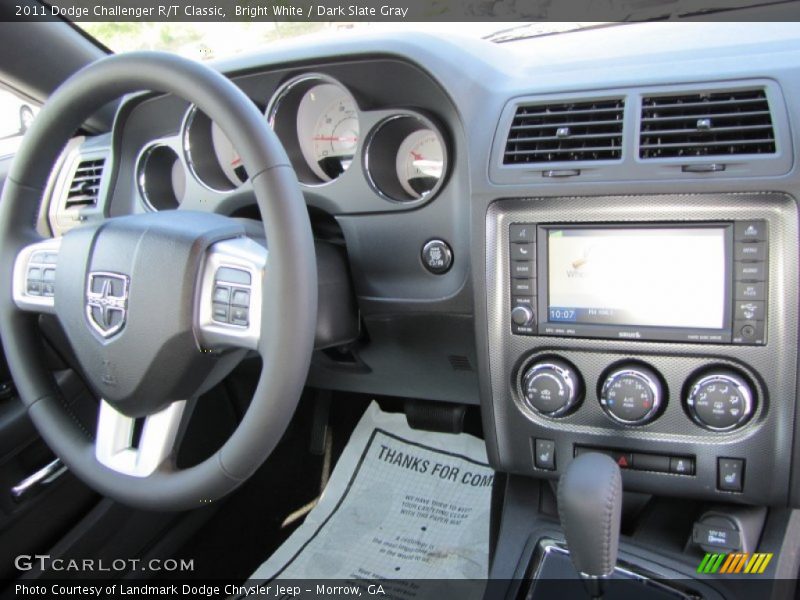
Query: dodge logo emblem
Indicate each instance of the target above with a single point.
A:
(107, 302)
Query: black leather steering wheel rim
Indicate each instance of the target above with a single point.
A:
(289, 298)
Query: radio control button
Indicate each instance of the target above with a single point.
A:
(522, 251)
(522, 232)
(748, 310)
(720, 401)
(750, 291)
(523, 287)
(521, 269)
(750, 271)
(551, 387)
(751, 251)
(750, 231)
(631, 395)
(522, 315)
(748, 332)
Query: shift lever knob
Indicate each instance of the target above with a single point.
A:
(589, 505)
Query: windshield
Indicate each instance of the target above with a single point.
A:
(204, 41)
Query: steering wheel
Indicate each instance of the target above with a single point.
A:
(158, 307)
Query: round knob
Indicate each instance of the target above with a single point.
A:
(551, 387)
(632, 395)
(720, 401)
(522, 315)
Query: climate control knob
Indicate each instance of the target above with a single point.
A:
(632, 395)
(720, 401)
(551, 387)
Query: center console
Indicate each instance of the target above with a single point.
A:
(660, 330)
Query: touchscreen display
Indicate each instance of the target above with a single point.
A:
(655, 277)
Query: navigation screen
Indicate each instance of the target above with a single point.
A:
(659, 277)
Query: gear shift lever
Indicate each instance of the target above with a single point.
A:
(589, 505)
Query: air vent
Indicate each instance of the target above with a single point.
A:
(566, 132)
(706, 124)
(85, 186)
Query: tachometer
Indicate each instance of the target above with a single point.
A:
(328, 130)
(420, 162)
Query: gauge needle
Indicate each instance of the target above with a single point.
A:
(236, 161)
(334, 138)
(416, 155)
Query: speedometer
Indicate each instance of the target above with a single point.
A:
(420, 162)
(328, 130)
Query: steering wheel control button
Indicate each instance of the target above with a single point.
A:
(241, 298)
(220, 312)
(222, 294)
(544, 456)
(551, 387)
(720, 401)
(239, 316)
(231, 275)
(730, 474)
(632, 395)
(437, 256)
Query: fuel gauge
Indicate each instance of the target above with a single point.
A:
(406, 158)
(420, 162)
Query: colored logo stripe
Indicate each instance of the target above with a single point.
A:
(737, 562)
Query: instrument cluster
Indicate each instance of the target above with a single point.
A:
(400, 154)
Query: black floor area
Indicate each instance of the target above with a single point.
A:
(247, 527)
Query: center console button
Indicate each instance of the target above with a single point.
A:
(750, 291)
(651, 462)
(545, 454)
(730, 474)
(522, 287)
(521, 232)
(748, 310)
(750, 271)
(521, 251)
(521, 269)
(631, 395)
(551, 387)
(750, 251)
(750, 231)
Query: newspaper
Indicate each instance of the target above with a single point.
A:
(405, 506)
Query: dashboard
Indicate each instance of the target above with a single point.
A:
(592, 236)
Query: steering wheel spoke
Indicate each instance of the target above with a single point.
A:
(34, 280)
(116, 448)
(228, 312)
